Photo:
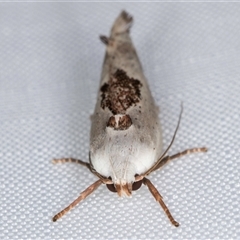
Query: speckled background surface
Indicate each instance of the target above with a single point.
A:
(50, 63)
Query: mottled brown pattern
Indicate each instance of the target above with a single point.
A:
(120, 123)
(124, 122)
(112, 122)
(120, 93)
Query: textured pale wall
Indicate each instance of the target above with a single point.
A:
(51, 60)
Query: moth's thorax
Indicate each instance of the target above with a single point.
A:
(122, 155)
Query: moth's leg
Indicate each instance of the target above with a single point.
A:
(177, 155)
(82, 196)
(72, 160)
(159, 198)
(88, 165)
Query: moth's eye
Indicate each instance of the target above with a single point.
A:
(111, 187)
(136, 185)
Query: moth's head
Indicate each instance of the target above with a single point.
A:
(123, 188)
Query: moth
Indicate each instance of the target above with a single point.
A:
(125, 138)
